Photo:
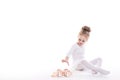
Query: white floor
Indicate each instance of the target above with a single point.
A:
(77, 75)
(81, 76)
(84, 76)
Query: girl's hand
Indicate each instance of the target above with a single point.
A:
(66, 61)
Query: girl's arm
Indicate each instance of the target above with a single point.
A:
(68, 55)
(66, 60)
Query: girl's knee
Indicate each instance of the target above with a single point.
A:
(99, 59)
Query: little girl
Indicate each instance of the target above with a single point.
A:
(77, 52)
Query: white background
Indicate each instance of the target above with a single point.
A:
(36, 34)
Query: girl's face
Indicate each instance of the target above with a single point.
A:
(81, 40)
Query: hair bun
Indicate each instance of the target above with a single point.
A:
(86, 29)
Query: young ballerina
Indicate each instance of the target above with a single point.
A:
(77, 52)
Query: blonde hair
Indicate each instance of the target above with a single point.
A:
(85, 31)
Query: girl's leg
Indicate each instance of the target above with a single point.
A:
(97, 62)
(92, 67)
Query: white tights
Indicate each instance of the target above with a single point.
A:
(97, 62)
(95, 66)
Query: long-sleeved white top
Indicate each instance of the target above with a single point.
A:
(77, 52)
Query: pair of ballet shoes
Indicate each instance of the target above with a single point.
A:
(61, 73)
